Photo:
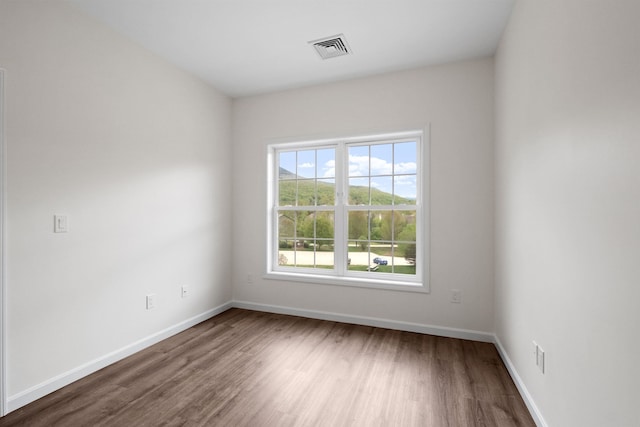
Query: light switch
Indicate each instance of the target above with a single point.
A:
(60, 224)
(151, 301)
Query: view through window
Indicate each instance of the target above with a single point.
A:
(349, 208)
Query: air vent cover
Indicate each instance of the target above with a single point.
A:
(331, 47)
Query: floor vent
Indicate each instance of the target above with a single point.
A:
(331, 47)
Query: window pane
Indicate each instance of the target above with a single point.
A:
(404, 156)
(405, 190)
(320, 254)
(306, 164)
(358, 258)
(325, 227)
(359, 191)
(404, 231)
(324, 239)
(287, 161)
(404, 226)
(381, 259)
(286, 254)
(359, 161)
(358, 225)
(327, 163)
(306, 192)
(287, 193)
(286, 225)
(326, 192)
(305, 225)
(378, 226)
(381, 159)
(358, 242)
(381, 189)
(399, 222)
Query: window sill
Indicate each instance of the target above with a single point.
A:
(394, 285)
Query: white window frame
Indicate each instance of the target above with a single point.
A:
(340, 275)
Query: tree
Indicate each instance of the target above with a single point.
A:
(358, 224)
(408, 246)
(319, 226)
(286, 224)
(364, 243)
(376, 226)
(410, 252)
(393, 222)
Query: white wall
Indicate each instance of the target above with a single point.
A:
(568, 206)
(137, 154)
(457, 101)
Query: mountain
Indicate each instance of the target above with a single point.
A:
(326, 193)
(285, 174)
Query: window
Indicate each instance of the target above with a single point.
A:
(349, 211)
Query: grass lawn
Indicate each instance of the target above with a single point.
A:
(400, 269)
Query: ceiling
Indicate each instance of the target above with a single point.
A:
(247, 47)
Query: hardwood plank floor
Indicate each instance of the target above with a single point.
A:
(247, 368)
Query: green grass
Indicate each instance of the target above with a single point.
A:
(328, 267)
(399, 269)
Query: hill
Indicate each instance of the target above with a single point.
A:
(326, 193)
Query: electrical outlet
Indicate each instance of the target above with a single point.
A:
(151, 301)
(185, 291)
(456, 296)
(249, 278)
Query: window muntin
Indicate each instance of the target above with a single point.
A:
(349, 209)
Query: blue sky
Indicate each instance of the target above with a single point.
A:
(368, 165)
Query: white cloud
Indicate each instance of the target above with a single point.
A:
(306, 166)
(405, 180)
(359, 166)
(329, 169)
(406, 167)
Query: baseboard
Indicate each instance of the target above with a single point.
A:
(528, 400)
(36, 392)
(464, 334)
(410, 327)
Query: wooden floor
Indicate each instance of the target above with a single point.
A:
(247, 368)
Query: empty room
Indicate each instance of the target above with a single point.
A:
(336, 213)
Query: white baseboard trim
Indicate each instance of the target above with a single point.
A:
(410, 327)
(528, 400)
(36, 392)
(464, 334)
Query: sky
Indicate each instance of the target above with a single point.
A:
(372, 165)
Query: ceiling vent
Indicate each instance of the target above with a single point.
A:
(330, 47)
